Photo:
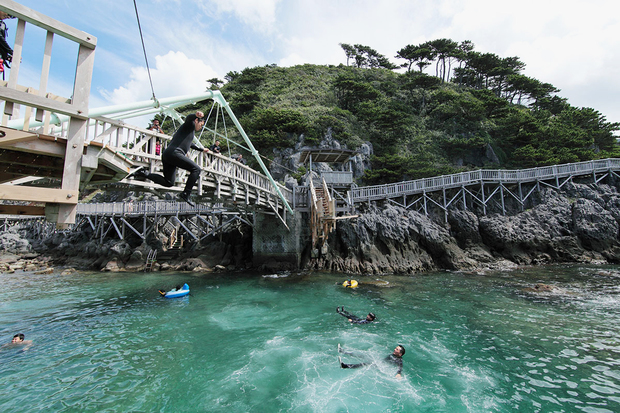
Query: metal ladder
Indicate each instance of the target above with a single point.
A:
(150, 260)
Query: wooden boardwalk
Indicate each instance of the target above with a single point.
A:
(141, 219)
(483, 188)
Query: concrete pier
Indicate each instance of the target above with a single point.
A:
(273, 241)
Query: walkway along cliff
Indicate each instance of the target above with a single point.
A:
(577, 221)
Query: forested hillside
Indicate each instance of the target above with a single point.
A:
(476, 110)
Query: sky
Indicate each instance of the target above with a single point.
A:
(572, 44)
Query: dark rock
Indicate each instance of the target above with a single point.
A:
(579, 223)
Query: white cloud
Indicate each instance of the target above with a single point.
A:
(573, 45)
(259, 15)
(291, 60)
(174, 74)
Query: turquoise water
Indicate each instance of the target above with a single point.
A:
(247, 343)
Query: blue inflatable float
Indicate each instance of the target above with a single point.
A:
(176, 292)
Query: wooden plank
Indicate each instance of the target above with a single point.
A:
(45, 170)
(76, 135)
(47, 57)
(30, 89)
(12, 136)
(13, 95)
(36, 194)
(41, 147)
(22, 210)
(8, 177)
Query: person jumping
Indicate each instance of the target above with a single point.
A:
(175, 156)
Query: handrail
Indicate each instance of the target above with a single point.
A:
(144, 208)
(458, 180)
(43, 104)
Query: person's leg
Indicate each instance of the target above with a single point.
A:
(343, 312)
(194, 174)
(348, 353)
(167, 179)
(351, 366)
(181, 161)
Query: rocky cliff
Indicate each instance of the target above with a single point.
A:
(576, 224)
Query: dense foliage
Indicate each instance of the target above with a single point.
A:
(478, 110)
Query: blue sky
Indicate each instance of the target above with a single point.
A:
(574, 45)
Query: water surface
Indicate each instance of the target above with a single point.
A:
(252, 343)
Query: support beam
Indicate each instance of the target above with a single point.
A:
(35, 194)
(22, 210)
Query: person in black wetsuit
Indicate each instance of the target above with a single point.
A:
(395, 358)
(175, 156)
(355, 319)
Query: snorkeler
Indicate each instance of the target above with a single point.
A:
(355, 319)
(395, 358)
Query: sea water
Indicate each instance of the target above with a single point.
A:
(243, 342)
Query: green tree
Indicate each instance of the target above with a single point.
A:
(445, 50)
(214, 83)
(419, 55)
(351, 90)
(349, 51)
(594, 125)
(507, 67)
(273, 127)
(366, 57)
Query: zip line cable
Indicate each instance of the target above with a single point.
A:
(144, 49)
(155, 99)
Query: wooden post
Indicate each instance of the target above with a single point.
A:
(77, 133)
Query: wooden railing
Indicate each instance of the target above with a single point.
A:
(438, 183)
(219, 173)
(149, 208)
(42, 104)
(337, 177)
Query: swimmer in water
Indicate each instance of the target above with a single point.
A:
(395, 358)
(18, 340)
(355, 319)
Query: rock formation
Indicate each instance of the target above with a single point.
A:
(580, 223)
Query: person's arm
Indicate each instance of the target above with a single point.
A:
(197, 146)
(347, 315)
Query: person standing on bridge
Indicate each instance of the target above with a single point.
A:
(175, 156)
(155, 126)
(6, 53)
(216, 148)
